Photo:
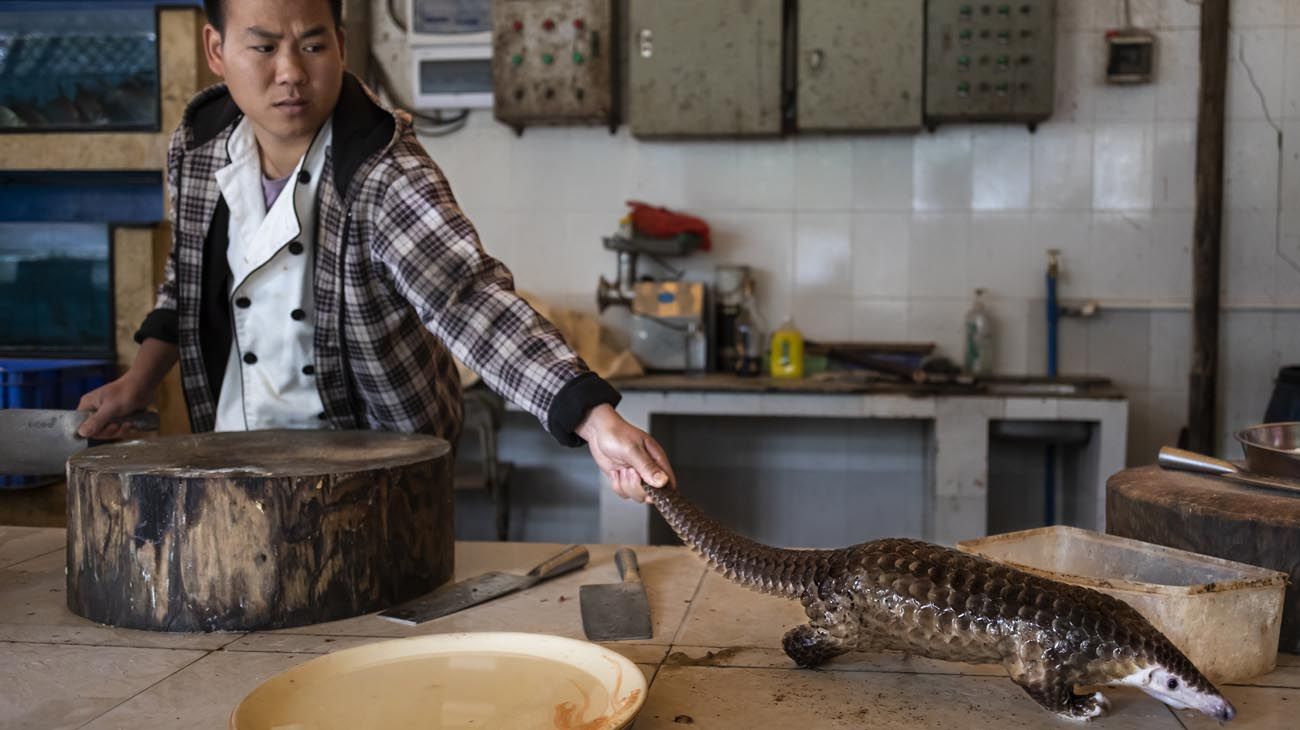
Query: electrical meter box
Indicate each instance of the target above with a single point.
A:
(705, 68)
(553, 62)
(451, 53)
(990, 61)
(860, 65)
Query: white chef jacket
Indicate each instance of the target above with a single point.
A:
(269, 380)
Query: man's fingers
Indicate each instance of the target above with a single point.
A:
(646, 467)
(94, 426)
(661, 457)
(632, 485)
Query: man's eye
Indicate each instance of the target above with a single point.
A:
(314, 48)
(263, 49)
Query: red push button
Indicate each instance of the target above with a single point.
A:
(548, 24)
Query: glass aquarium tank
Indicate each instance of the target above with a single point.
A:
(56, 289)
(78, 66)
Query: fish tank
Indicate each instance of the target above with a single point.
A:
(56, 289)
(78, 66)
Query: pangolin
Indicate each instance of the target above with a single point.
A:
(928, 600)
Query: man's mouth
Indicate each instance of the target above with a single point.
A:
(291, 104)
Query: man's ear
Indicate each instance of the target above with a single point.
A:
(343, 45)
(213, 51)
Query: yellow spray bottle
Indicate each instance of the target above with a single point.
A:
(787, 351)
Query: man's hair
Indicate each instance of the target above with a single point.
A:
(216, 11)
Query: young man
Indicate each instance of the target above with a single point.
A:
(322, 275)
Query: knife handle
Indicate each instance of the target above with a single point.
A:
(573, 557)
(628, 568)
(140, 420)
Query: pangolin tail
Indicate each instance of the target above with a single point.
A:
(763, 568)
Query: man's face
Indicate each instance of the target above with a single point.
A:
(283, 63)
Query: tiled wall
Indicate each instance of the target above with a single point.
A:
(884, 237)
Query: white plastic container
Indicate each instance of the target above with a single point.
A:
(1224, 616)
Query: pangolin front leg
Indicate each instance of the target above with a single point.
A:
(810, 646)
(1057, 695)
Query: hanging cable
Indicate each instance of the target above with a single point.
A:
(392, 15)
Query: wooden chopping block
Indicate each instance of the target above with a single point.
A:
(256, 530)
(1213, 517)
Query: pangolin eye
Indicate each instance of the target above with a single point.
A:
(1172, 683)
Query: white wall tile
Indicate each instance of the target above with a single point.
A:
(601, 172)
(1118, 347)
(941, 170)
(1175, 166)
(1110, 15)
(1077, 75)
(880, 320)
(937, 260)
(1245, 377)
(660, 174)
(765, 242)
(1248, 257)
(1180, 14)
(1074, 14)
(1250, 165)
(1010, 334)
(1178, 74)
(1123, 165)
(882, 244)
(823, 254)
(882, 173)
(1258, 13)
(1122, 248)
(824, 318)
(823, 174)
(1125, 102)
(1171, 349)
(536, 179)
(1256, 85)
(938, 321)
(1000, 257)
(1062, 161)
(1291, 82)
(1000, 168)
(1170, 270)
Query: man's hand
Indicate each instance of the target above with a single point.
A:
(114, 400)
(625, 453)
(129, 393)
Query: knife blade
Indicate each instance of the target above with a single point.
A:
(39, 441)
(480, 589)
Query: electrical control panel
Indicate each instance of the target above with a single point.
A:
(700, 68)
(860, 65)
(553, 62)
(990, 61)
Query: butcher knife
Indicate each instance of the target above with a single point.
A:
(1172, 458)
(617, 611)
(38, 441)
(473, 591)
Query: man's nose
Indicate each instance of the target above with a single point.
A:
(289, 68)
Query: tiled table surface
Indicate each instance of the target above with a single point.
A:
(715, 660)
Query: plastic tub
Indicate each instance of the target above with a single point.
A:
(1224, 616)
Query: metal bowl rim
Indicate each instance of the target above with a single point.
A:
(1242, 437)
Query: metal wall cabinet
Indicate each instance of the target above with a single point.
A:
(860, 65)
(699, 68)
(990, 61)
(553, 62)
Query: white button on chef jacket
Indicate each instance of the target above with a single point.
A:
(265, 385)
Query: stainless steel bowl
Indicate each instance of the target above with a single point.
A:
(1272, 448)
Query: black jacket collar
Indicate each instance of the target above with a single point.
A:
(361, 126)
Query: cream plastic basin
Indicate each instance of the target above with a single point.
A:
(1225, 616)
(451, 681)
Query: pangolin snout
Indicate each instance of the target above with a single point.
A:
(1225, 711)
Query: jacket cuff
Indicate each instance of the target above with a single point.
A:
(160, 324)
(571, 404)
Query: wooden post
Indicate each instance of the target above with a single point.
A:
(1203, 379)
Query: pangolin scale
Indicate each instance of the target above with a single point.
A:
(928, 600)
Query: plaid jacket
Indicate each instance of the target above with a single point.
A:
(400, 282)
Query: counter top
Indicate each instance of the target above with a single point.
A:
(855, 383)
(715, 660)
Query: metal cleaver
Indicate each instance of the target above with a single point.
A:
(473, 591)
(37, 441)
(617, 610)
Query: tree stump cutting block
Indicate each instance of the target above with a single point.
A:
(1213, 517)
(256, 530)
